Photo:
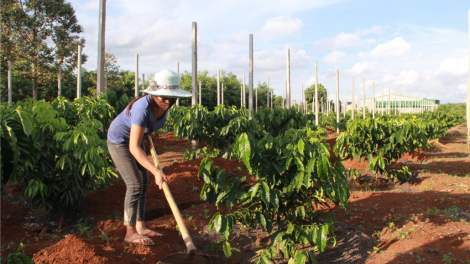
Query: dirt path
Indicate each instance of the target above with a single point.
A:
(427, 221)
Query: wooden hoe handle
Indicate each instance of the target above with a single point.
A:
(174, 208)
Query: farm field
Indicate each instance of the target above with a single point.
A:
(425, 220)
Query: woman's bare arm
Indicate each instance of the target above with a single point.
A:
(137, 133)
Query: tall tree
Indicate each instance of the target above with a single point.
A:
(39, 36)
(310, 93)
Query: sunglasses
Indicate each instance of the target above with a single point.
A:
(169, 100)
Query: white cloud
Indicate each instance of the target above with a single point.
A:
(404, 78)
(455, 67)
(241, 38)
(94, 5)
(420, 55)
(339, 41)
(360, 68)
(463, 87)
(372, 30)
(394, 48)
(333, 56)
(281, 26)
(272, 60)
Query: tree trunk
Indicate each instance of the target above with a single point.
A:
(35, 82)
(61, 222)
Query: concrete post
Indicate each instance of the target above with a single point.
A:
(218, 87)
(100, 82)
(389, 109)
(272, 100)
(363, 98)
(316, 95)
(267, 95)
(250, 103)
(178, 71)
(353, 106)
(194, 64)
(241, 96)
(322, 106)
(136, 82)
(395, 102)
(337, 99)
(313, 105)
(59, 82)
(10, 88)
(373, 100)
(79, 73)
(288, 98)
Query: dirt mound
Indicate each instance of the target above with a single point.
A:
(70, 250)
(104, 244)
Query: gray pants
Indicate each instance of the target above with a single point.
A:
(136, 178)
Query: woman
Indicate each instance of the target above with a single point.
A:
(126, 135)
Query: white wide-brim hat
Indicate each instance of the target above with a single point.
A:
(166, 84)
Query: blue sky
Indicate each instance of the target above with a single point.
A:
(416, 47)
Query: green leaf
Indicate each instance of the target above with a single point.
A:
(221, 179)
(212, 222)
(27, 122)
(11, 139)
(227, 249)
(322, 170)
(311, 258)
(290, 228)
(274, 199)
(218, 222)
(242, 149)
(261, 219)
(324, 232)
(253, 190)
(20, 258)
(266, 194)
(300, 145)
(301, 258)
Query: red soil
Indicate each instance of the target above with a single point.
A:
(104, 203)
(16, 228)
(414, 232)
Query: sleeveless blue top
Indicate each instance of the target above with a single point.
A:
(141, 114)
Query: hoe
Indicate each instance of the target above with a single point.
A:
(190, 257)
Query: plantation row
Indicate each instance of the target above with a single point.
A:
(57, 152)
(283, 151)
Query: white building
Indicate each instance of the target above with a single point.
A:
(395, 103)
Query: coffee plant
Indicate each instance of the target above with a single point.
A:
(293, 176)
